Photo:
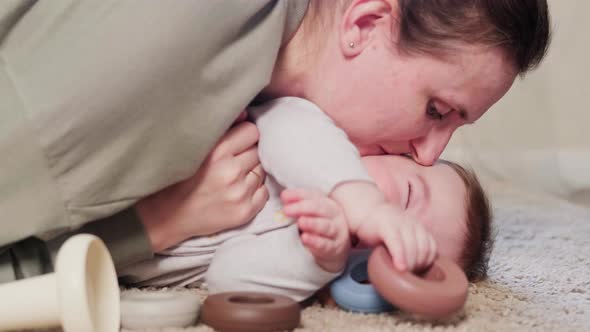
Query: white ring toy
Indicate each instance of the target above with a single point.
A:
(159, 309)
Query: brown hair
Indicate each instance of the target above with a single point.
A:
(520, 27)
(478, 236)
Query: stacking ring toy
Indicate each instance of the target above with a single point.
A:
(250, 312)
(352, 290)
(436, 293)
(159, 309)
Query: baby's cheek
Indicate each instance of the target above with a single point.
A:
(448, 245)
(392, 193)
(383, 179)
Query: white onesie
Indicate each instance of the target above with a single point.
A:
(299, 147)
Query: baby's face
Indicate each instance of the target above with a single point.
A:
(433, 196)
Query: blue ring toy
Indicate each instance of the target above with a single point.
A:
(349, 291)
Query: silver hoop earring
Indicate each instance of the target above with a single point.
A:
(351, 44)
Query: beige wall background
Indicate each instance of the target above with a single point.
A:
(538, 136)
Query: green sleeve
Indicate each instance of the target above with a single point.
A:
(105, 102)
(26, 258)
(122, 233)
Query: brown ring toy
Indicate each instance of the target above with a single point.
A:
(436, 293)
(250, 312)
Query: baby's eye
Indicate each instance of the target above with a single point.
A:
(432, 112)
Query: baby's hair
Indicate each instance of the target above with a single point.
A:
(478, 236)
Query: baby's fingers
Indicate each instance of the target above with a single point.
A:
(393, 241)
(297, 194)
(409, 243)
(304, 208)
(320, 247)
(319, 207)
(423, 249)
(291, 195)
(433, 250)
(318, 226)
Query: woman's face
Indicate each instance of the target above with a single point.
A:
(392, 103)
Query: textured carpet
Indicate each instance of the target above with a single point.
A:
(539, 276)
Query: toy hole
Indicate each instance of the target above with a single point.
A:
(360, 273)
(434, 274)
(251, 299)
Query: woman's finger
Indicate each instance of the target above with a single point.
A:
(247, 160)
(259, 199)
(241, 118)
(258, 170)
(254, 180)
(236, 140)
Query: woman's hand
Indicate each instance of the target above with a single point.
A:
(227, 191)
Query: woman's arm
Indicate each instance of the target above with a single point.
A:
(106, 102)
(224, 193)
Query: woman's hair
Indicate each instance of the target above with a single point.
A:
(520, 27)
(478, 242)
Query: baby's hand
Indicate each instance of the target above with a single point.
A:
(323, 226)
(409, 244)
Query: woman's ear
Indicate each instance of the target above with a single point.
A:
(359, 23)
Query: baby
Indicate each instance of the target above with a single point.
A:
(300, 147)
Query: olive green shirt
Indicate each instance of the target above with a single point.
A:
(103, 102)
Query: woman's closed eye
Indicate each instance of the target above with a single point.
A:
(432, 112)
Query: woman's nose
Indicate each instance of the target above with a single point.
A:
(427, 149)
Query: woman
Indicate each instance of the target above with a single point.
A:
(108, 102)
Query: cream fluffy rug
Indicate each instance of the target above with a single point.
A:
(539, 276)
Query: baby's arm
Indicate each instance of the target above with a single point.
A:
(411, 246)
(302, 148)
(275, 262)
(323, 226)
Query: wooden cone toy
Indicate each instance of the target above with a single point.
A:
(81, 295)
